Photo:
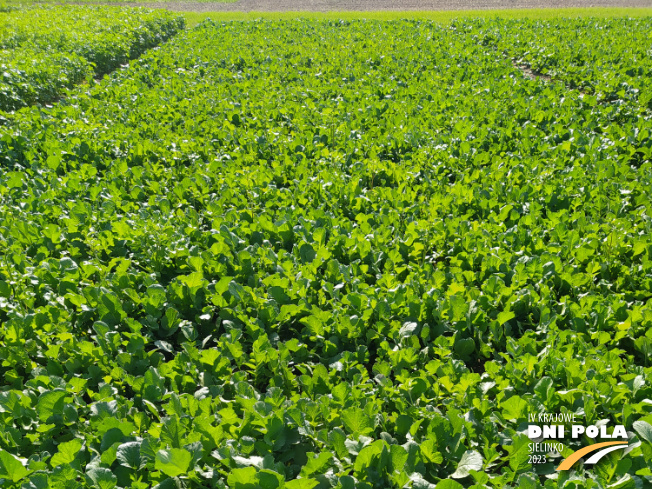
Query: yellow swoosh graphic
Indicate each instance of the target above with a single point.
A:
(570, 461)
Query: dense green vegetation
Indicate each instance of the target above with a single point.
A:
(358, 260)
(442, 16)
(613, 60)
(46, 50)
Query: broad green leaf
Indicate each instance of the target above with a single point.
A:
(14, 179)
(67, 452)
(430, 453)
(515, 408)
(458, 307)
(448, 484)
(399, 456)
(408, 329)
(471, 460)
(464, 347)
(357, 421)
(50, 403)
(337, 439)
(11, 467)
(418, 482)
(173, 462)
(5, 289)
(528, 481)
(253, 461)
(307, 253)
(505, 316)
(128, 454)
(102, 478)
(518, 452)
(243, 478)
(301, 484)
(269, 479)
(172, 432)
(644, 430)
(316, 463)
(624, 482)
(544, 388)
(375, 456)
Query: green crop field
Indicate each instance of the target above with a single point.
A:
(44, 51)
(442, 16)
(322, 253)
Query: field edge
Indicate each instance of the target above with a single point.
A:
(193, 18)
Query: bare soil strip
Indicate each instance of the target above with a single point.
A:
(390, 5)
(531, 74)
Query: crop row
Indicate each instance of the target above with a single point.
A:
(612, 61)
(46, 50)
(247, 261)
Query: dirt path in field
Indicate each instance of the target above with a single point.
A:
(367, 5)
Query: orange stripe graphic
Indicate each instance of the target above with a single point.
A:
(570, 461)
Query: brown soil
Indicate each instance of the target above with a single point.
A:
(531, 74)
